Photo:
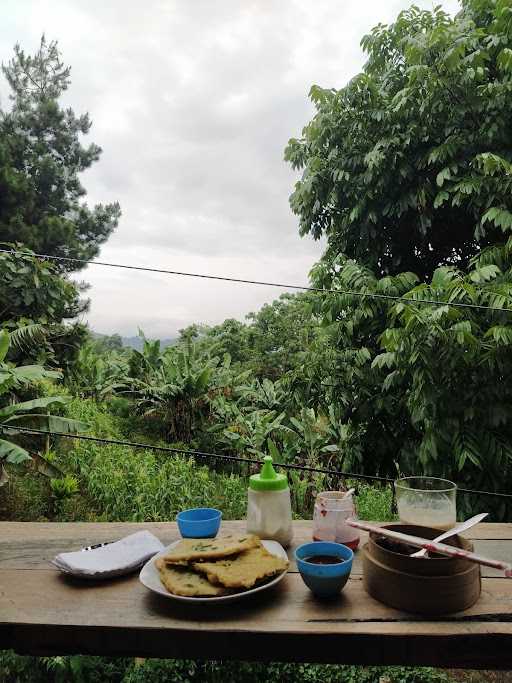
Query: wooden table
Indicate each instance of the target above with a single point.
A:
(44, 613)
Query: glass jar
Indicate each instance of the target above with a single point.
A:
(332, 509)
(426, 501)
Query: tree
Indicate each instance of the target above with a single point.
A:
(38, 307)
(41, 158)
(97, 372)
(280, 333)
(425, 387)
(105, 343)
(407, 167)
(171, 386)
(230, 337)
(407, 172)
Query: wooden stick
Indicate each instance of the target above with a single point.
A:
(432, 546)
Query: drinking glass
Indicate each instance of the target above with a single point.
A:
(426, 501)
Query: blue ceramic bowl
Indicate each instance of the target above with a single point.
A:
(199, 522)
(324, 580)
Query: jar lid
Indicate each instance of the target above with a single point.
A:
(268, 479)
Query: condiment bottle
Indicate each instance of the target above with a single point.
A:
(269, 510)
(332, 509)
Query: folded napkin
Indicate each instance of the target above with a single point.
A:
(114, 559)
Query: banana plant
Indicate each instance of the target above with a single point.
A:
(226, 391)
(266, 394)
(175, 391)
(143, 364)
(310, 436)
(250, 432)
(15, 414)
(96, 376)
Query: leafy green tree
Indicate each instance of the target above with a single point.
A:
(407, 167)
(145, 363)
(247, 433)
(230, 337)
(425, 388)
(280, 332)
(452, 367)
(41, 158)
(270, 343)
(39, 306)
(407, 172)
(108, 343)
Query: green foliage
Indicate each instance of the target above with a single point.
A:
(247, 433)
(22, 669)
(41, 158)
(270, 344)
(127, 485)
(279, 333)
(97, 372)
(15, 413)
(432, 379)
(230, 337)
(107, 343)
(170, 386)
(407, 167)
(37, 304)
(374, 502)
(407, 172)
(65, 487)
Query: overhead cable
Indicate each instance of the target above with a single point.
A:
(220, 456)
(346, 292)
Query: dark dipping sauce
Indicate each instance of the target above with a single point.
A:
(324, 559)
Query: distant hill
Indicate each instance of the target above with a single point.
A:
(136, 341)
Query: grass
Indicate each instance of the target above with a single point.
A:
(119, 483)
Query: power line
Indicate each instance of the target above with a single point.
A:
(346, 292)
(232, 458)
(202, 454)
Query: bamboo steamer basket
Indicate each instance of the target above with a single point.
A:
(431, 586)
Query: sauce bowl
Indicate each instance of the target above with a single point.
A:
(324, 580)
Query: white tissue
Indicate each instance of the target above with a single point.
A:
(114, 559)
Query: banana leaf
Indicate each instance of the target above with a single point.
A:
(51, 423)
(4, 477)
(11, 452)
(31, 373)
(4, 344)
(24, 406)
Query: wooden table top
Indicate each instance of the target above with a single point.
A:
(42, 612)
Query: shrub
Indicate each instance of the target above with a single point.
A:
(18, 669)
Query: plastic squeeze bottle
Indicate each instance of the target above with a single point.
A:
(269, 510)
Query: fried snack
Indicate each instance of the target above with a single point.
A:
(243, 570)
(193, 549)
(183, 581)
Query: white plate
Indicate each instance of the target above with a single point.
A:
(150, 578)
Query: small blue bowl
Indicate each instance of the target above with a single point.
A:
(199, 522)
(324, 580)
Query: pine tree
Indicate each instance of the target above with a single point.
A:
(41, 158)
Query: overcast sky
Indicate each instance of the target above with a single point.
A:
(193, 102)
